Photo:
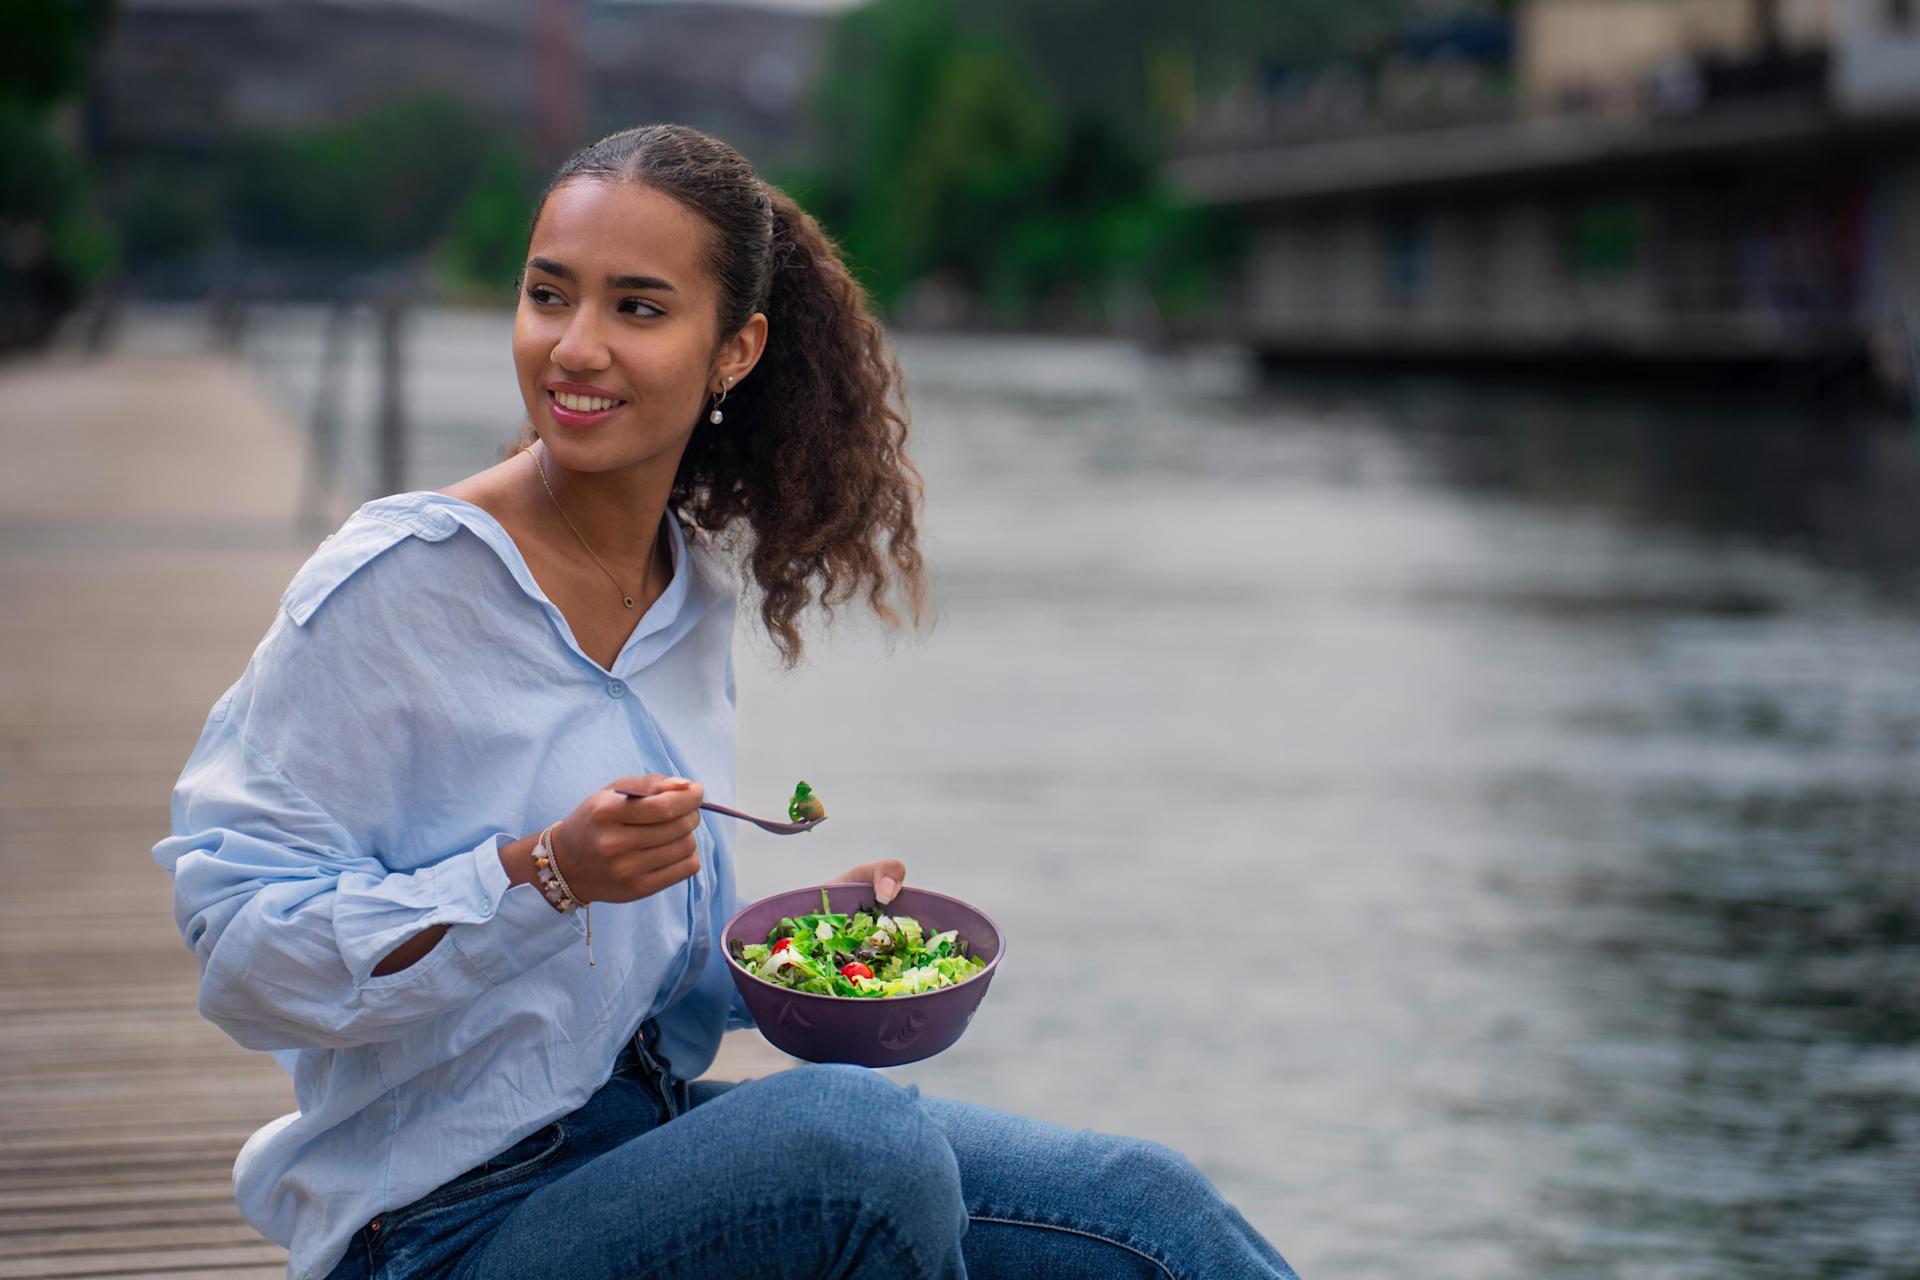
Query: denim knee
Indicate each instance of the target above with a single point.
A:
(855, 1120)
(1167, 1196)
(859, 1129)
(1140, 1171)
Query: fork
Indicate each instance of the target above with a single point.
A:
(765, 824)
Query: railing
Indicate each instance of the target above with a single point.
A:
(380, 300)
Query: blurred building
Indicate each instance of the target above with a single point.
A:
(739, 71)
(179, 76)
(183, 94)
(1710, 181)
(183, 75)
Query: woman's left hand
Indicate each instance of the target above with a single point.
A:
(886, 876)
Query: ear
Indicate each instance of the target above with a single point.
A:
(739, 354)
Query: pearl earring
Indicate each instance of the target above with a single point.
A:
(716, 415)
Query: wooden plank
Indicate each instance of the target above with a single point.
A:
(217, 1170)
(200, 1191)
(167, 1153)
(128, 1240)
(107, 1218)
(154, 1262)
(83, 1124)
(64, 1150)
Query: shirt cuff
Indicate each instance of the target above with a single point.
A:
(517, 927)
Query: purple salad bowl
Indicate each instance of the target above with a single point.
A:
(885, 1031)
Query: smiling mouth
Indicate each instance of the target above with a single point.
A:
(553, 399)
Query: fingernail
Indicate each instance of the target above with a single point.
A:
(675, 782)
(886, 887)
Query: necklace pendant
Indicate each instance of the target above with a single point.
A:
(629, 600)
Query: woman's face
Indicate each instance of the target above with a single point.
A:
(615, 299)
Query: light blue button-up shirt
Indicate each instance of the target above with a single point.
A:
(417, 703)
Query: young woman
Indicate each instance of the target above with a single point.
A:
(381, 837)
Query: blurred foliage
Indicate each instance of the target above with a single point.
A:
(165, 206)
(44, 46)
(53, 243)
(1606, 238)
(479, 259)
(424, 177)
(1143, 64)
(384, 184)
(1005, 149)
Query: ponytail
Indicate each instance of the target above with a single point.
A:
(816, 466)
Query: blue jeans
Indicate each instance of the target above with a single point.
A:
(815, 1172)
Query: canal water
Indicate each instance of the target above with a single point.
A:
(1478, 824)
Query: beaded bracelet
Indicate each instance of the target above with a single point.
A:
(546, 869)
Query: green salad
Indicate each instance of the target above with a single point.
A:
(805, 804)
(869, 954)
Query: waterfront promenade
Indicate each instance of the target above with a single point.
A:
(146, 532)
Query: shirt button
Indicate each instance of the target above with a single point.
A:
(616, 689)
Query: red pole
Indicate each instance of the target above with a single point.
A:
(560, 83)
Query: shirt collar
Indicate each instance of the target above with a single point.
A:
(691, 591)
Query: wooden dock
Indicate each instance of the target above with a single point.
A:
(146, 532)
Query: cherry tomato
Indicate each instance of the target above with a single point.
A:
(855, 970)
(780, 946)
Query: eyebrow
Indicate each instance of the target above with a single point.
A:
(565, 272)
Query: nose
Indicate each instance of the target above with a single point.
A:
(580, 346)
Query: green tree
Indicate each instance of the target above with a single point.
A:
(53, 243)
(949, 154)
(885, 62)
(1143, 64)
(988, 146)
(480, 254)
(384, 184)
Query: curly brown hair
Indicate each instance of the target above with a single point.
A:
(813, 458)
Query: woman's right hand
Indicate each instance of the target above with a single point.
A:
(615, 849)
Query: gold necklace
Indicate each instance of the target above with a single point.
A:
(647, 574)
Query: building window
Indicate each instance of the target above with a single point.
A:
(1409, 259)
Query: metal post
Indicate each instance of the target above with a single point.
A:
(1910, 324)
(226, 321)
(322, 478)
(102, 317)
(392, 426)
